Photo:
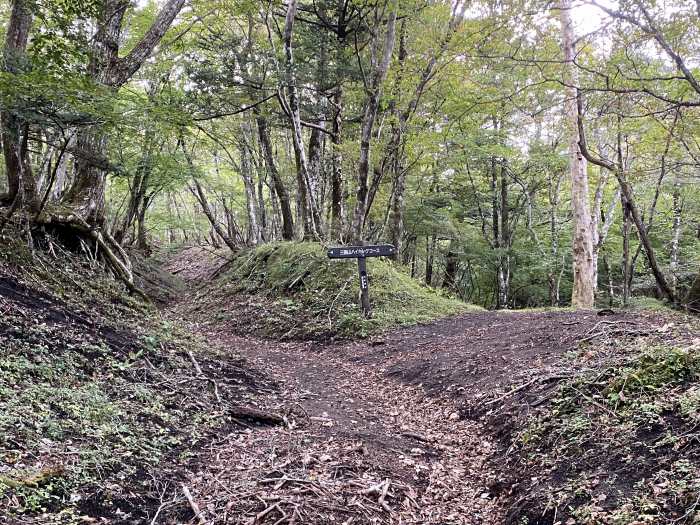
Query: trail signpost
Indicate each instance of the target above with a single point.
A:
(361, 253)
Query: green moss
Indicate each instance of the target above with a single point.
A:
(655, 369)
(313, 295)
(649, 303)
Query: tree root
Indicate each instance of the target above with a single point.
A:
(34, 480)
(114, 254)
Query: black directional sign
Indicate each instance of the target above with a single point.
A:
(361, 253)
(352, 252)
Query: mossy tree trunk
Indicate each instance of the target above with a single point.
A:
(87, 193)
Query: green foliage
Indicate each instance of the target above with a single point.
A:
(66, 396)
(62, 43)
(624, 432)
(648, 303)
(654, 370)
(311, 295)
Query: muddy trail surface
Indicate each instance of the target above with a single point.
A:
(400, 428)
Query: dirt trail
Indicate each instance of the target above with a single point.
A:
(351, 433)
(390, 430)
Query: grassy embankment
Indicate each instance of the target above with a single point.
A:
(99, 403)
(616, 445)
(292, 290)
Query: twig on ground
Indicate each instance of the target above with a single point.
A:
(195, 364)
(594, 402)
(416, 436)
(599, 323)
(614, 332)
(330, 309)
(382, 498)
(267, 511)
(201, 374)
(517, 389)
(193, 504)
(513, 391)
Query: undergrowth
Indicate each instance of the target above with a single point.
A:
(619, 446)
(304, 294)
(98, 402)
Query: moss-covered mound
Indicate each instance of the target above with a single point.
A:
(292, 290)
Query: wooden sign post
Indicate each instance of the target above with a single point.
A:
(361, 253)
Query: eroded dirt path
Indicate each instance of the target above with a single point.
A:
(358, 447)
(391, 430)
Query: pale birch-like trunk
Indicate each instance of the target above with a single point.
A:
(309, 211)
(246, 169)
(583, 293)
(675, 239)
(554, 274)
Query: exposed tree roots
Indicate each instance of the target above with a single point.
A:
(74, 227)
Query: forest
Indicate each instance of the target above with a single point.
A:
(173, 173)
(451, 131)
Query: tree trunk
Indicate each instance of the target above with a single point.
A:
(136, 194)
(57, 186)
(611, 282)
(337, 201)
(449, 282)
(315, 170)
(369, 115)
(397, 147)
(141, 235)
(310, 214)
(275, 217)
(395, 156)
(278, 184)
(246, 169)
(595, 224)
(554, 196)
(87, 194)
(675, 238)
(661, 282)
(201, 196)
(15, 130)
(626, 266)
(504, 243)
(626, 192)
(262, 210)
(582, 250)
(429, 258)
